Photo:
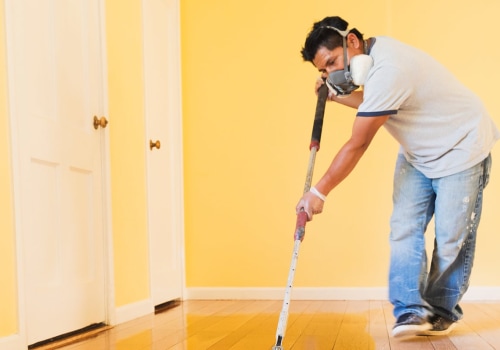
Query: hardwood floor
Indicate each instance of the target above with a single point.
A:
(251, 325)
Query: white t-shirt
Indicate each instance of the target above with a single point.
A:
(442, 126)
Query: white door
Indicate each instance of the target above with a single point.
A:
(56, 87)
(164, 164)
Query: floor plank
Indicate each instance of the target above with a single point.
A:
(377, 326)
(320, 328)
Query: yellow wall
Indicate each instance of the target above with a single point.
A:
(248, 108)
(127, 143)
(8, 290)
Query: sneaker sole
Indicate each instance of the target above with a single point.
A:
(443, 332)
(410, 330)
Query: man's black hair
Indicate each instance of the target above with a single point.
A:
(320, 35)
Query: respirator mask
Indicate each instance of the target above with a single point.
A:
(342, 82)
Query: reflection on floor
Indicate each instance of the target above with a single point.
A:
(251, 325)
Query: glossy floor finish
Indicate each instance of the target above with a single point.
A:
(251, 325)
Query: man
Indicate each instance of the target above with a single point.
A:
(445, 137)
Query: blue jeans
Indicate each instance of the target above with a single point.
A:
(456, 202)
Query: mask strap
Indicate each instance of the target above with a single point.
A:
(341, 32)
(344, 45)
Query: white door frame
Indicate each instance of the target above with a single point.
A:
(19, 340)
(106, 179)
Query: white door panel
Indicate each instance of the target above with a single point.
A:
(162, 96)
(56, 87)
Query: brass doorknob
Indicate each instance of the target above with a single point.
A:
(156, 144)
(102, 122)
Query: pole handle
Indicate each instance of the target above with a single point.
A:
(318, 117)
(300, 226)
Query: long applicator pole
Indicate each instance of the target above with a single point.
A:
(300, 226)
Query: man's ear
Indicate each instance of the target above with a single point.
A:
(354, 40)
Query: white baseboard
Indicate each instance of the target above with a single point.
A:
(482, 294)
(320, 293)
(13, 342)
(298, 293)
(132, 311)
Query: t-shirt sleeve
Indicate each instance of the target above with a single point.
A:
(386, 89)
